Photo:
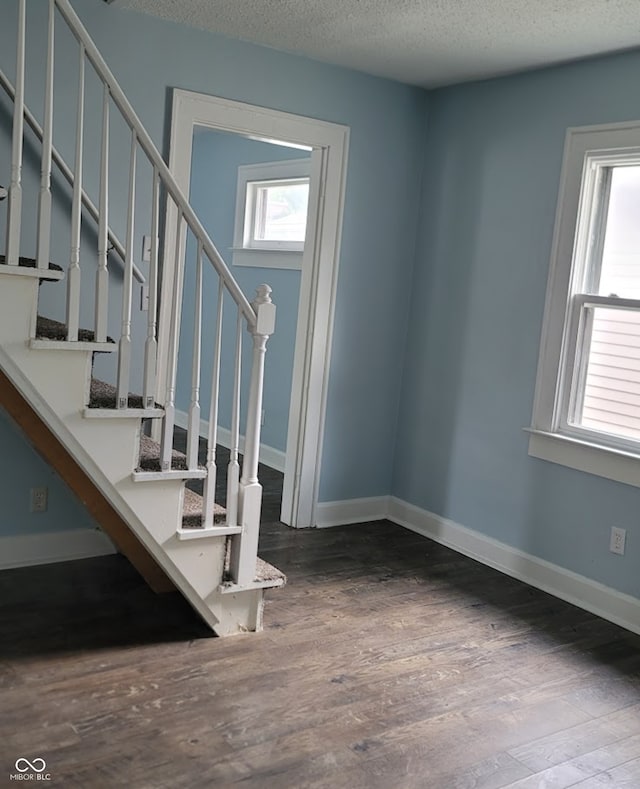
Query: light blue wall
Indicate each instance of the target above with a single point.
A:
(492, 172)
(21, 469)
(215, 160)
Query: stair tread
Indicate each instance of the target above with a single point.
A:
(104, 395)
(50, 329)
(264, 571)
(192, 511)
(267, 572)
(150, 456)
(30, 263)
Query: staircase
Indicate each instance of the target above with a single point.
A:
(114, 447)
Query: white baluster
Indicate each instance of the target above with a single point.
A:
(209, 494)
(44, 203)
(244, 547)
(14, 205)
(193, 425)
(151, 344)
(233, 469)
(102, 274)
(73, 273)
(124, 350)
(166, 442)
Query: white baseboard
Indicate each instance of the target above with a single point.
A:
(616, 607)
(341, 513)
(48, 547)
(270, 456)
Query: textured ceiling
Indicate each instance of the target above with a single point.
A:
(423, 42)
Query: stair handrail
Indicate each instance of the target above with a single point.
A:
(66, 171)
(148, 146)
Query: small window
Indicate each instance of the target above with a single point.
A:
(276, 214)
(588, 388)
(271, 214)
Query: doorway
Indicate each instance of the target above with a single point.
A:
(327, 145)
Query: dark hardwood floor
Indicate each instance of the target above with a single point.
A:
(387, 661)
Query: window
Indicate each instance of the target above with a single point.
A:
(271, 214)
(587, 405)
(276, 214)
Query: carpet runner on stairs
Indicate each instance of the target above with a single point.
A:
(150, 456)
(103, 395)
(192, 511)
(265, 572)
(49, 329)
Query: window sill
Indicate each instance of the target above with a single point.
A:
(267, 258)
(614, 464)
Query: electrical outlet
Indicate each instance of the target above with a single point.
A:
(617, 541)
(39, 499)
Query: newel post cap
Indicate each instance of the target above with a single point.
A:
(265, 311)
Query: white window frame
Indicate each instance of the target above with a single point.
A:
(248, 251)
(553, 436)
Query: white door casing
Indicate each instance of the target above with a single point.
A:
(329, 144)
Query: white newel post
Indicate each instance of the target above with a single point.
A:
(244, 547)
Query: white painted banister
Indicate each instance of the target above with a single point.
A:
(124, 350)
(102, 274)
(212, 437)
(233, 469)
(14, 202)
(152, 153)
(73, 272)
(244, 548)
(193, 426)
(44, 207)
(66, 171)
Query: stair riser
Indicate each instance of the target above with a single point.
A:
(158, 508)
(237, 613)
(18, 299)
